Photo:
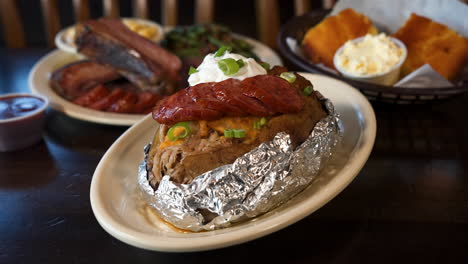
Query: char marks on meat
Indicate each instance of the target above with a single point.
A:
(181, 107)
(261, 95)
(74, 80)
(141, 61)
(92, 96)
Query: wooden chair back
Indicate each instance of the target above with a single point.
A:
(267, 15)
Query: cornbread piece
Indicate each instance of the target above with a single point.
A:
(433, 43)
(321, 42)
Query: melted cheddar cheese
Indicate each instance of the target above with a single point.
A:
(245, 123)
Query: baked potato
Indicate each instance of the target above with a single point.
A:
(191, 147)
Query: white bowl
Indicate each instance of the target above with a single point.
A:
(65, 44)
(385, 78)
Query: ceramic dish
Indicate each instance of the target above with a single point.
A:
(22, 119)
(118, 209)
(388, 77)
(296, 28)
(39, 84)
(63, 38)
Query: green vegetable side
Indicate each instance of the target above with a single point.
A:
(199, 40)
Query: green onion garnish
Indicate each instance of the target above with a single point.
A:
(228, 66)
(220, 52)
(184, 125)
(228, 133)
(239, 133)
(192, 70)
(265, 65)
(288, 76)
(260, 123)
(234, 133)
(308, 90)
(240, 62)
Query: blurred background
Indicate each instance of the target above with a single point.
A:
(33, 23)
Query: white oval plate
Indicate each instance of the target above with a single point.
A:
(114, 190)
(62, 43)
(39, 84)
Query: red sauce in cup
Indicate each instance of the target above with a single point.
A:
(17, 106)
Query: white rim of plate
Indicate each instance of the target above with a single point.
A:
(63, 45)
(60, 104)
(236, 234)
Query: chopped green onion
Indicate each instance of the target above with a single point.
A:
(220, 52)
(240, 62)
(170, 132)
(192, 70)
(308, 90)
(239, 133)
(234, 133)
(228, 66)
(265, 65)
(228, 133)
(260, 123)
(288, 76)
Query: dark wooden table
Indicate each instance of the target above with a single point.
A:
(409, 202)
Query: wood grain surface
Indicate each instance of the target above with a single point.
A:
(408, 204)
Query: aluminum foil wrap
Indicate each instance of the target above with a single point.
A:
(255, 183)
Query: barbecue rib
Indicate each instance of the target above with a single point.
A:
(141, 61)
(73, 80)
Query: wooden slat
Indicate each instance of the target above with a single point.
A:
(267, 21)
(51, 20)
(12, 26)
(140, 9)
(327, 4)
(169, 14)
(81, 8)
(301, 7)
(204, 11)
(111, 8)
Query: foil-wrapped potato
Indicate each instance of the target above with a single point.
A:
(231, 148)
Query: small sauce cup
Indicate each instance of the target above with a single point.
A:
(388, 77)
(22, 119)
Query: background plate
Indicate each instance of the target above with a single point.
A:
(39, 84)
(117, 207)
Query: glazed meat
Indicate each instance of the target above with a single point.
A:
(207, 147)
(141, 61)
(118, 98)
(74, 80)
(261, 95)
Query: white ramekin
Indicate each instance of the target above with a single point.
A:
(385, 78)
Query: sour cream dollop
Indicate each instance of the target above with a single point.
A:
(209, 71)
